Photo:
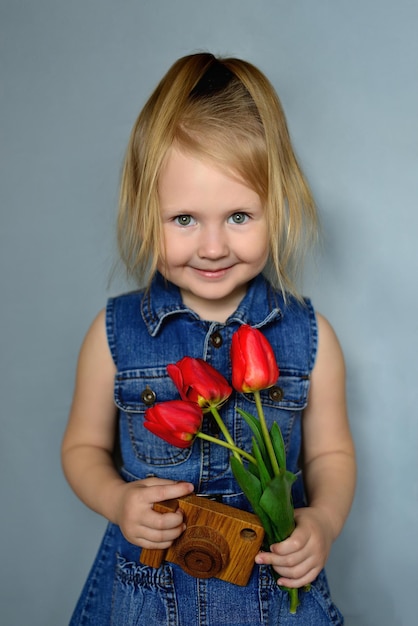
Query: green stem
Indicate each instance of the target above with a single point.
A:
(294, 599)
(224, 429)
(292, 593)
(230, 446)
(266, 434)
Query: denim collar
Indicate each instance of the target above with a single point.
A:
(162, 302)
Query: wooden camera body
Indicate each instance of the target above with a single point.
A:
(219, 541)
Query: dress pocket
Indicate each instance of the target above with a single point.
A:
(320, 594)
(135, 391)
(143, 595)
(316, 607)
(283, 403)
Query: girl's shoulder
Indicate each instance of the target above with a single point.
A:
(95, 367)
(95, 344)
(327, 337)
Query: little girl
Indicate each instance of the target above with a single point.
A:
(212, 201)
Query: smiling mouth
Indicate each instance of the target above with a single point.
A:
(212, 273)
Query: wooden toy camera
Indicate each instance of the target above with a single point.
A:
(219, 541)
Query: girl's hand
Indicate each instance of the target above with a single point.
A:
(139, 523)
(299, 558)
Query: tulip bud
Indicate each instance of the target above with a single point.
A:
(197, 381)
(254, 365)
(177, 422)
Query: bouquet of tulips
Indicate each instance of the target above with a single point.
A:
(261, 474)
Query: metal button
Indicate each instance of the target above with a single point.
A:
(216, 339)
(276, 394)
(148, 396)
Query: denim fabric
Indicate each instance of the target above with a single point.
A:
(146, 331)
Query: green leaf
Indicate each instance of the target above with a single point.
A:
(278, 445)
(265, 476)
(255, 426)
(253, 469)
(249, 483)
(251, 487)
(276, 502)
(253, 423)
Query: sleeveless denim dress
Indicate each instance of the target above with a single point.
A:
(146, 331)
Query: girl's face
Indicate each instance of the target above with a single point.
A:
(215, 234)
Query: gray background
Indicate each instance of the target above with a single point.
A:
(73, 78)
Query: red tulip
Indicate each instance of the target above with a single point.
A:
(199, 382)
(177, 422)
(254, 365)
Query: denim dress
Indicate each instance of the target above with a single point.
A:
(146, 330)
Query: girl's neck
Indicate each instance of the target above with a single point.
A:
(214, 310)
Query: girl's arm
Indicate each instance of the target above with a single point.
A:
(87, 454)
(329, 455)
(329, 470)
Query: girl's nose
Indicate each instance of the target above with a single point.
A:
(213, 243)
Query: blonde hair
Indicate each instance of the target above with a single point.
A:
(224, 110)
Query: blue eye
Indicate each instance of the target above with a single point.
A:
(239, 218)
(184, 220)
